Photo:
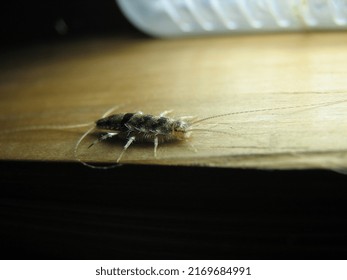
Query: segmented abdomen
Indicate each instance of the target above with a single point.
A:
(145, 127)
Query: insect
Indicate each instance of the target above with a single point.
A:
(140, 127)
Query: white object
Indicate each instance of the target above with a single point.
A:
(169, 18)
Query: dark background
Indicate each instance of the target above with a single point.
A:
(68, 211)
(32, 21)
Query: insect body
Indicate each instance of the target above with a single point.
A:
(146, 128)
(143, 128)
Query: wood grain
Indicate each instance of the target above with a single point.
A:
(77, 82)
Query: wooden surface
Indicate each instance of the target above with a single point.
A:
(77, 82)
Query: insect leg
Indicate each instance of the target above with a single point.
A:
(109, 111)
(189, 118)
(192, 146)
(162, 114)
(104, 137)
(155, 146)
(131, 139)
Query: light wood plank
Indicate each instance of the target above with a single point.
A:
(76, 82)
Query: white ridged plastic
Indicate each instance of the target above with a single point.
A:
(169, 18)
